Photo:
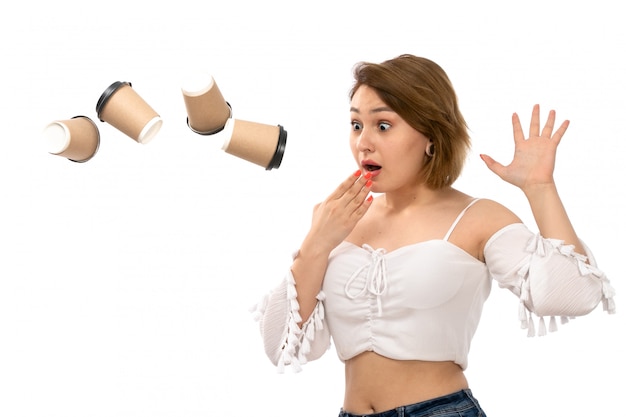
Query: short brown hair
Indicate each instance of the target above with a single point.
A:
(420, 92)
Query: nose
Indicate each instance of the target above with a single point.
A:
(364, 142)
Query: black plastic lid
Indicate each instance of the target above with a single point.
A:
(280, 149)
(107, 95)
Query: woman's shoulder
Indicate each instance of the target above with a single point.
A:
(478, 219)
(490, 205)
(483, 207)
(491, 215)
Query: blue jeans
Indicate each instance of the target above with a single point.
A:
(458, 404)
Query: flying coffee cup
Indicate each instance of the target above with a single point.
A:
(254, 142)
(121, 107)
(207, 111)
(76, 139)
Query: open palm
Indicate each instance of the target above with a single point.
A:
(534, 158)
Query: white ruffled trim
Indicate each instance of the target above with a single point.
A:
(297, 344)
(542, 247)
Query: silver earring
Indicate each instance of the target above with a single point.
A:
(430, 150)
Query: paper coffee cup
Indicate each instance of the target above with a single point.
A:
(121, 107)
(258, 143)
(207, 111)
(76, 139)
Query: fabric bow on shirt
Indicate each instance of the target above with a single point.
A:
(375, 280)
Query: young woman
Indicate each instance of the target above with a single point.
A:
(399, 281)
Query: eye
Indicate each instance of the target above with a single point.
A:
(356, 125)
(383, 126)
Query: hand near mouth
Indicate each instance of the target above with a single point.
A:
(337, 215)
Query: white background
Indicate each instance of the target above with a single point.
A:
(125, 281)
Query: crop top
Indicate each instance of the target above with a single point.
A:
(424, 301)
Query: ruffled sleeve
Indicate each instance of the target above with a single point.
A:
(284, 340)
(550, 278)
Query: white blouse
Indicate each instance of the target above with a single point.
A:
(424, 301)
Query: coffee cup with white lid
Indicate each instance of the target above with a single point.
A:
(76, 139)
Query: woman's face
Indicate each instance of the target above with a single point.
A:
(384, 144)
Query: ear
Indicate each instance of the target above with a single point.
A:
(430, 149)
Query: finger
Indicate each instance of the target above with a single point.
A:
(361, 190)
(547, 129)
(345, 186)
(350, 189)
(535, 122)
(560, 132)
(518, 132)
(493, 165)
(362, 209)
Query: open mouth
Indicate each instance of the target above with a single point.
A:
(371, 167)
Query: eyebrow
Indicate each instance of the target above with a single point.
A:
(375, 110)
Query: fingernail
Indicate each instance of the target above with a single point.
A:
(368, 183)
(367, 175)
(370, 198)
(357, 173)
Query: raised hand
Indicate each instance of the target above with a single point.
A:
(534, 157)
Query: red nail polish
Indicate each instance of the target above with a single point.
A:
(357, 173)
(370, 198)
(367, 175)
(368, 183)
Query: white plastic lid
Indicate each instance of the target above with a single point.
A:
(197, 83)
(227, 132)
(150, 130)
(56, 137)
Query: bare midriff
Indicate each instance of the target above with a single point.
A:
(375, 383)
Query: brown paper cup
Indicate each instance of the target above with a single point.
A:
(258, 143)
(207, 111)
(124, 109)
(76, 139)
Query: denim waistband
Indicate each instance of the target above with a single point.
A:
(458, 402)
